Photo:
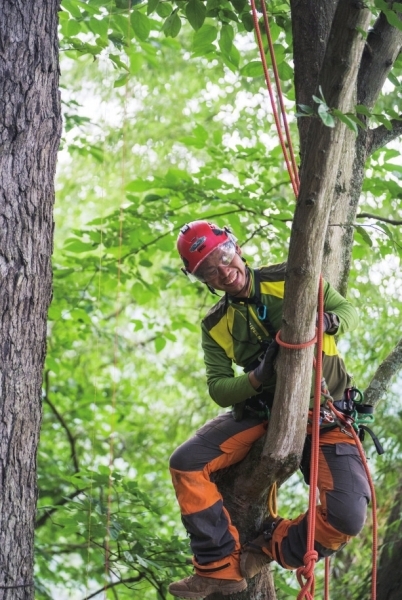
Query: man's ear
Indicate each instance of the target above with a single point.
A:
(238, 250)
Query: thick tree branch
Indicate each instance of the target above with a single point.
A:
(381, 136)
(382, 377)
(382, 49)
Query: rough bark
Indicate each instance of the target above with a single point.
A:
(383, 375)
(381, 50)
(30, 126)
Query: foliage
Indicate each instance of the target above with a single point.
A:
(170, 123)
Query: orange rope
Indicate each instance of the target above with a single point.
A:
(295, 346)
(294, 179)
(311, 556)
(280, 95)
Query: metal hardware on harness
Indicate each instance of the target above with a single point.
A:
(352, 405)
(262, 312)
(326, 416)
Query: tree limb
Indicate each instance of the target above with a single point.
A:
(381, 136)
(381, 50)
(113, 584)
(42, 520)
(383, 375)
(365, 215)
(63, 423)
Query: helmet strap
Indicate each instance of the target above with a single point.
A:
(212, 290)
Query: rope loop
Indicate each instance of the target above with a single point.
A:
(295, 346)
(272, 500)
(307, 571)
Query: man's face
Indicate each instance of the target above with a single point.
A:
(224, 271)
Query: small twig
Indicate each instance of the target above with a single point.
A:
(109, 586)
(63, 423)
(365, 215)
(61, 503)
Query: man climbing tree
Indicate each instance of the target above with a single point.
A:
(242, 328)
(30, 125)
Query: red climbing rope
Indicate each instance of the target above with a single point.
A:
(280, 95)
(311, 556)
(292, 168)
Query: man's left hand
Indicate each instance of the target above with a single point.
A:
(265, 369)
(330, 323)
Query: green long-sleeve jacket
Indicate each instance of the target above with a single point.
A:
(232, 333)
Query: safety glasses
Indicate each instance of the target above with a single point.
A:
(222, 256)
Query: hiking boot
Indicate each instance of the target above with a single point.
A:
(253, 558)
(200, 587)
(256, 554)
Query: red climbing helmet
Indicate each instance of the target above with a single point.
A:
(197, 240)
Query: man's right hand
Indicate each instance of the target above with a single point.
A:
(265, 370)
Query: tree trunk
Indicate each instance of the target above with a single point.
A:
(30, 125)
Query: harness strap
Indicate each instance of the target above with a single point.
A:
(262, 310)
(376, 441)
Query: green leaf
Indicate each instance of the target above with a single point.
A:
(72, 8)
(226, 39)
(325, 116)
(356, 120)
(304, 108)
(141, 25)
(203, 38)
(285, 71)
(386, 122)
(72, 28)
(136, 60)
(164, 9)
(140, 185)
(394, 80)
(160, 343)
(318, 100)
(252, 69)
(345, 119)
(195, 13)
(364, 235)
(98, 26)
(363, 110)
(248, 22)
(115, 58)
(172, 25)
(151, 6)
(239, 5)
(75, 245)
(393, 19)
(121, 81)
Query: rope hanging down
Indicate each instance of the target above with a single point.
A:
(311, 555)
(288, 154)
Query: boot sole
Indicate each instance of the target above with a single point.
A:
(233, 588)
